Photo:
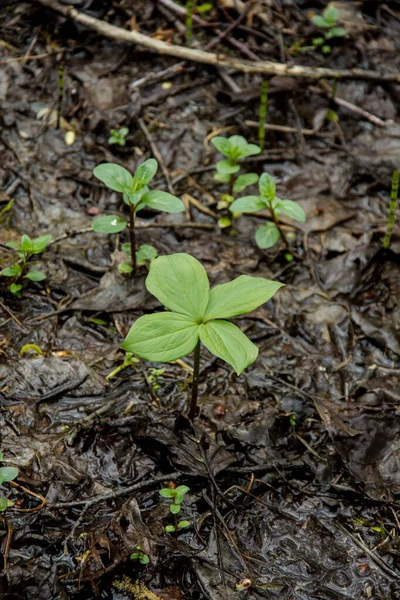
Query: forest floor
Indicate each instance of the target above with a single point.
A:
(293, 467)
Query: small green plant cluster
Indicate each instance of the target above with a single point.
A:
(117, 136)
(177, 495)
(21, 269)
(153, 378)
(6, 474)
(140, 556)
(268, 235)
(328, 23)
(136, 194)
(197, 314)
(234, 148)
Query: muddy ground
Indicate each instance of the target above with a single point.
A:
(293, 467)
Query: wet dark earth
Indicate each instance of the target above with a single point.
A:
(294, 466)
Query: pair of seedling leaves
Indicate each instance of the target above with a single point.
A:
(21, 270)
(327, 22)
(136, 194)
(197, 314)
(177, 495)
(234, 148)
(6, 474)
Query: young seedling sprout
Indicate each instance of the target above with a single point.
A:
(136, 194)
(268, 235)
(328, 23)
(177, 495)
(196, 315)
(140, 556)
(117, 136)
(6, 474)
(21, 270)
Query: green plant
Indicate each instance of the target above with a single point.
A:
(153, 378)
(268, 235)
(117, 136)
(144, 254)
(263, 113)
(177, 495)
(21, 269)
(129, 361)
(234, 148)
(197, 315)
(328, 23)
(6, 474)
(392, 210)
(140, 556)
(136, 194)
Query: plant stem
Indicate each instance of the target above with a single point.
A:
(276, 221)
(195, 384)
(392, 210)
(263, 113)
(189, 21)
(132, 237)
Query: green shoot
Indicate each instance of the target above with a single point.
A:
(6, 474)
(144, 254)
(196, 315)
(177, 495)
(129, 361)
(117, 136)
(268, 235)
(153, 378)
(136, 194)
(328, 23)
(20, 270)
(189, 21)
(263, 113)
(140, 556)
(392, 210)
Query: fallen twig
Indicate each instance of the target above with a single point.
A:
(209, 58)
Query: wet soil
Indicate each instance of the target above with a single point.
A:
(293, 467)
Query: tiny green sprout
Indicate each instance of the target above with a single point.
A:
(117, 136)
(177, 495)
(197, 314)
(6, 474)
(21, 270)
(136, 194)
(129, 361)
(328, 23)
(140, 556)
(268, 235)
(144, 254)
(153, 378)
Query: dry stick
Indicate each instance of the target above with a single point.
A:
(157, 155)
(209, 58)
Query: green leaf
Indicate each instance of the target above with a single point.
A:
(331, 14)
(163, 201)
(144, 173)
(41, 243)
(26, 243)
(108, 224)
(180, 283)
(225, 167)
(203, 8)
(243, 181)
(222, 145)
(167, 493)
(248, 204)
(123, 132)
(13, 245)
(13, 271)
(225, 340)
(224, 222)
(291, 209)
(144, 559)
(15, 289)
(162, 337)
(182, 490)
(320, 21)
(183, 524)
(135, 556)
(175, 508)
(267, 236)
(249, 150)
(222, 178)
(170, 528)
(114, 176)
(267, 186)
(125, 268)
(240, 296)
(131, 198)
(335, 32)
(8, 473)
(35, 276)
(318, 41)
(144, 253)
(3, 504)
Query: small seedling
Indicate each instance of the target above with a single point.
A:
(129, 361)
(117, 136)
(6, 474)
(234, 148)
(197, 315)
(392, 210)
(140, 556)
(21, 270)
(136, 195)
(153, 378)
(144, 254)
(268, 235)
(328, 23)
(177, 495)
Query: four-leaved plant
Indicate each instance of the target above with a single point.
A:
(234, 148)
(328, 23)
(177, 495)
(268, 235)
(6, 474)
(136, 194)
(197, 315)
(21, 269)
(117, 136)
